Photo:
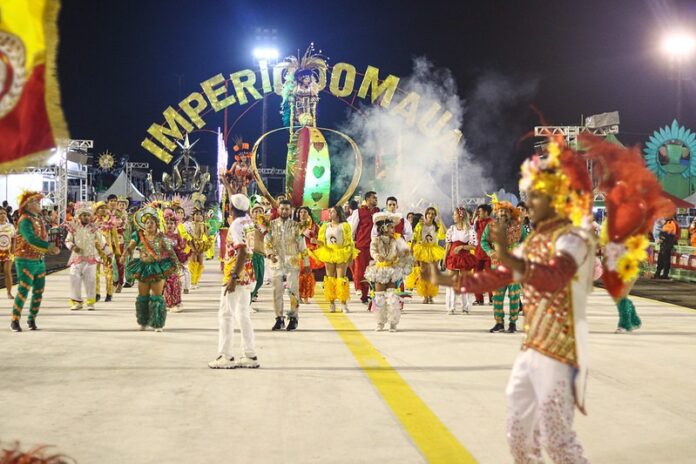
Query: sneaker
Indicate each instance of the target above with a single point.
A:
(450, 312)
(31, 323)
(249, 363)
(143, 327)
(254, 298)
(344, 308)
(15, 327)
(186, 290)
(364, 300)
(107, 299)
(620, 330)
(221, 363)
(175, 309)
(332, 307)
(98, 297)
(127, 285)
(279, 323)
(379, 328)
(512, 328)
(75, 306)
(292, 324)
(159, 329)
(498, 327)
(90, 307)
(119, 288)
(392, 327)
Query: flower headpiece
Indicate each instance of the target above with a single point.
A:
(563, 176)
(27, 196)
(504, 205)
(143, 213)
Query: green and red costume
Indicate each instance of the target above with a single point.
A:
(31, 247)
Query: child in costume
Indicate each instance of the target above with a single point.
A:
(309, 231)
(31, 247)
(411, 281)
(88, 246)
(459, 256)
(391, 262)
(214, 224)
(172, 287)
(426, 250)
(156, 263)
(7, 246)
(199, 244)
(336, 250)
(181, 206)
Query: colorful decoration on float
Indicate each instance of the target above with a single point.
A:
(106, 160)
(671, 155)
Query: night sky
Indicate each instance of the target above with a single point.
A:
(121, 63)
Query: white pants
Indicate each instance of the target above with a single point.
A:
(83, 274)
(387, 307)
(292, 281)
(234, 312)
(185, 277)
(452, 298)
(540, 409)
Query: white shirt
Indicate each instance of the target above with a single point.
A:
(464, 235)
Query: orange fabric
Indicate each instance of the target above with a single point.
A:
(670, 227)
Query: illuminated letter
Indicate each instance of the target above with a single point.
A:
(427, 117)
(265, 78)
(278, 78)
(408, 107)
(194, 111)
(156, 150)
(371, 83)
(173, 119)
(212, 93)
(349, 84)
(246, 84)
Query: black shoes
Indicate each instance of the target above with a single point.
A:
(98, 297)
(498, 327)
(127, 285)
(31, 323)
(512, 328)
(14, 325)
(107, 299)
(279, 323)
(292, 324)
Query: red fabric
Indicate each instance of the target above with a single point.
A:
(485, 281)
(482, 265)
(553, 276)
(359, 265)
(363, 234)
(462, 261)
(26, 129)
(399, 229)
(480, 227)
(172, 290)
(301, 155)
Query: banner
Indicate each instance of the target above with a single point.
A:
(31, 117)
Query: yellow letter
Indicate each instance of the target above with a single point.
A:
(349, 84)
(248, 84)
(371, 82)
(278, 81)
(156, 150)
(194, 112)
(212, 94)
(265, 78)
(427, 117)
(173, 119)
(408, 107)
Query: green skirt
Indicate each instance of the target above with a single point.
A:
(151, 272)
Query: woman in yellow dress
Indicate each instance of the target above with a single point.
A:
(199, 245)
(426, 249)
(336, 250)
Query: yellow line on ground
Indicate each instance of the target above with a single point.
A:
(431, 436)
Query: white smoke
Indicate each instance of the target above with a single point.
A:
(418, 168)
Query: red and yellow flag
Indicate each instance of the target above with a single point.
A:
(31, 117)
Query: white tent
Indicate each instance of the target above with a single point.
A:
(691, 199)
(122, 187)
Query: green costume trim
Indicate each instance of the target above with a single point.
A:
(259, 266)
(26, 229)
(158, 312)
(31, 273)
(513, 291)
(142, 309)
(628, 317)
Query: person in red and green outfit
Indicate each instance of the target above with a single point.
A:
(32, 245)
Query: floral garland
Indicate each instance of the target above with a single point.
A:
(625, 257)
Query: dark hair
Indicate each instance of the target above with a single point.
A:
(237, 212)
(111, 197)
(353, 205)
(486, 207)
(309, 211)
(416, 219)
(285, 202)
(381, 225)
(522, 204)
(392, 199)
(340, 213)
(370, 194)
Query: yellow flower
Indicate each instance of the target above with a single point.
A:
(627, 268)
(604, 234)
(638, 255)
(637, 243)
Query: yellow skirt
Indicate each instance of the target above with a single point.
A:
(334, 254)
(428, 252)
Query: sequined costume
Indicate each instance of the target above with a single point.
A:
(307, 281)
(172, 287)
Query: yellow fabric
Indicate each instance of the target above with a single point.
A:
(332, 253)
(330, 288)
(425, 288)
(428, 252)
(196, 269)
(342, 289)
(413, 278)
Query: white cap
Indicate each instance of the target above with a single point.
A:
(240, 202)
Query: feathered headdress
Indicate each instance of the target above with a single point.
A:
(184, 202)
(240, 148)
(82, 207)
(501, 205)
(26, 196)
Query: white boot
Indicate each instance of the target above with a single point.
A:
(393, 309)
(379, 307)
(449, 300)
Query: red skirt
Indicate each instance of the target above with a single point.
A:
(463, 261)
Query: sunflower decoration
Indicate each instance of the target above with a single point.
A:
(106, 160)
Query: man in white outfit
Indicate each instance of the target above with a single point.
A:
(238, 282)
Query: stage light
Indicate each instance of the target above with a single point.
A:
(268, 54)
(679, 45)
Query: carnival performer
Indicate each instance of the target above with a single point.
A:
(199, 244)
(481, 220)
(507, 217)
(180, 209)
(426, 250)
(555, 265)
(361, 224)
(309, 230)
(258, 258)
(336, 250)
(214, 224)
(88, 248)
(285, 247)
(107, 226)
(7, 247)
(238, 281)
(411, 281)
(459, 256)
(122, 225)
(391, 262)
(156, 263)
(31, 246)
(402, 227)
(172, 286)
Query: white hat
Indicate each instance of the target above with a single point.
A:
(383, 216)
(240, 202)
(83, 207)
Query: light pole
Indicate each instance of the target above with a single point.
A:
(266, 56)
(679, 47)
